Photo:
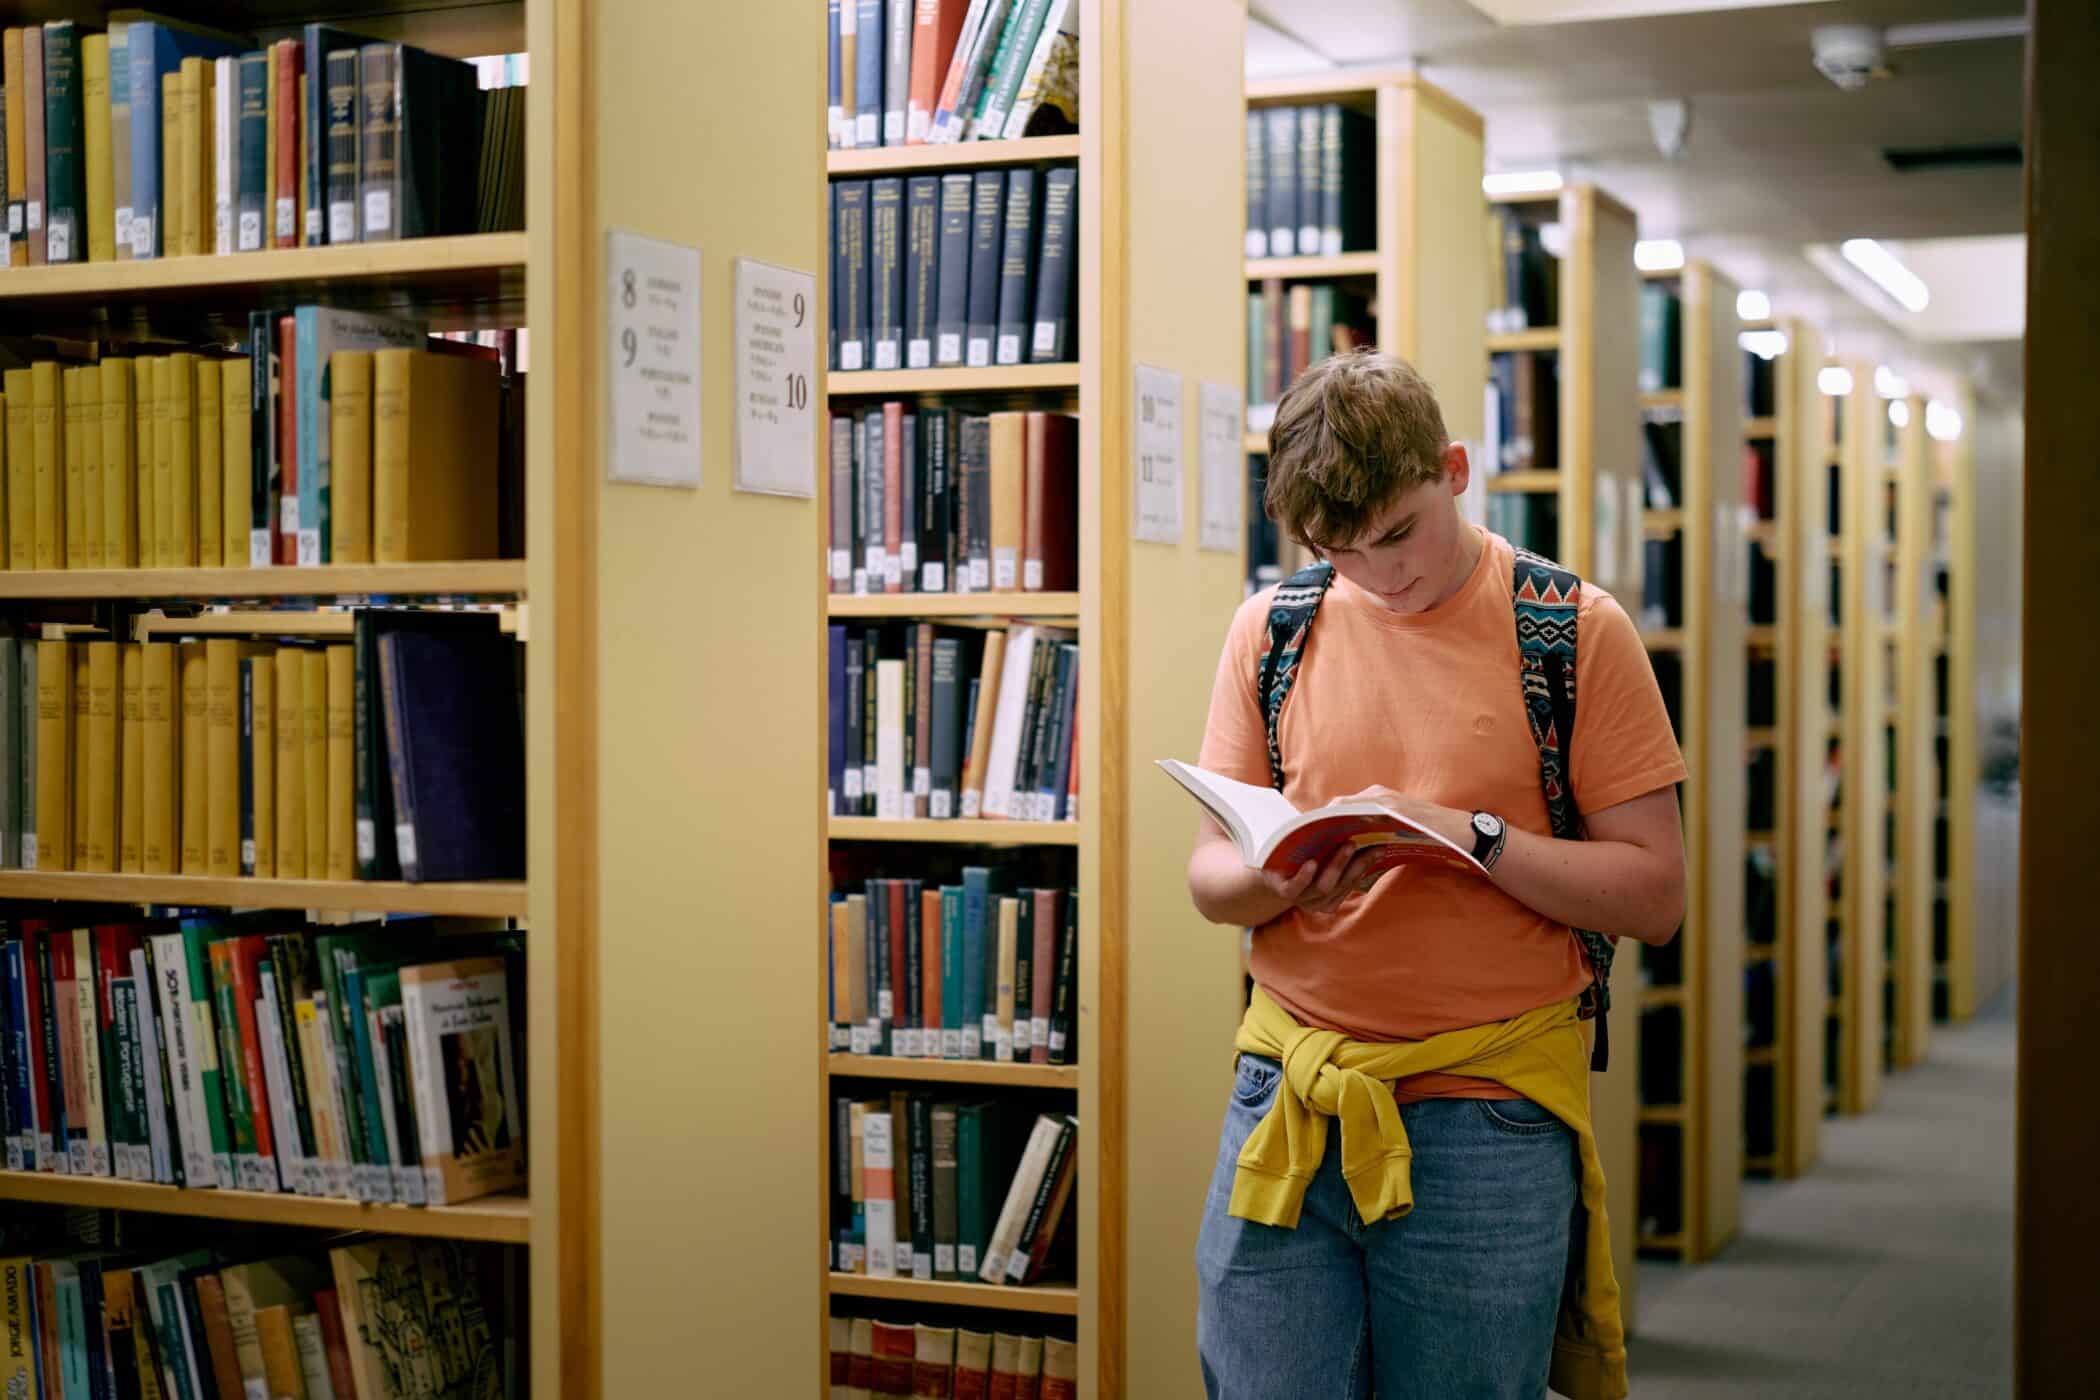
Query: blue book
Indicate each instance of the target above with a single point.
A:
(951, 971)
(251, 146)
(455, 745)
(320, 41)
(832, 86)
(153, 49)
(867, 81)
(835, 748)
(21, 1141)
(72, 1330)
(320, 331)
(976, 908)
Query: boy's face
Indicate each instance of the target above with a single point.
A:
(1415, 554)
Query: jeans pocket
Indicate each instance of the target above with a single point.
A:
(1255, 1084)
(1518, 1117)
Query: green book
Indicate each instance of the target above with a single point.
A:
(197, 936)
(973, 1196)
(339, 954)
(72, 1330)
(120, 1077)
(1024, 20)
(65, 141)
(120, 135)
(240, 1112)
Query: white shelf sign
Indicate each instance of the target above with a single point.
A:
(1158, 452)
(652, 342)
(776, 369)
(1221, 426)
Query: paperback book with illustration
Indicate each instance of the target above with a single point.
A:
(1275, 836)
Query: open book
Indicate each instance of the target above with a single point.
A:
(1275, 836)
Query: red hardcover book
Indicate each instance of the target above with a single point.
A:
(112, 960)
(287, 218)
(1050, 518)
(72, 1067)
(930, 968)
(896, 1351)
(249, 952)
(1049, 918)
(935, 26)
(287, 546)
(893, 495)
(893, 890)
(329, 1313)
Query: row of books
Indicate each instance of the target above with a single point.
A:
(370, 1318)
(1523, 277)
(876, 1360)
(976, 1202)
(1523, 411)
(1312, 181)
(918, 72)
(947, 270)
(1661, 338)
(399, 755)
(1288, 330)
(935, 500)
(160, 138)
(934, 723)
(245, 1053)
(965, 971)
(321, 446)
(1527, 519)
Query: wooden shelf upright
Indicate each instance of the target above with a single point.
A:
(1918, 619)
(1962, 769)
(1709, 953)
(1428, 289)
(1158, 990)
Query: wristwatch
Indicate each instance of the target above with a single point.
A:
(1488, 836)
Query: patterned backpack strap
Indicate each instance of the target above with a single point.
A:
(1291, 612)
(1547, 598)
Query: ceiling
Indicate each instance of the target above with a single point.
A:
(1776, 157)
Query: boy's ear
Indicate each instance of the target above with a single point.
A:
(1458, 468)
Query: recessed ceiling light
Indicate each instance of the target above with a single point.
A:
(1889, 384)
(1511, 182)
(1753, 306)
(1887, 272)
(1834, 380)
(1658, 255)
(1765, 345)
(1942, 420)
(1899, 412)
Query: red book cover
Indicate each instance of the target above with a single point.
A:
(935, 26)
(929, 1380)
(1049, 918)
(248, 954)
(112, 960)
(285, 108)
(841, 1366)
(1002, 1385)
(1273, 835)
(1050, 509)
(896, 1352)
(72, 1067)
(287, 549)
(33, 1001)
(894, 891)
(860, 1371)
(893, 496)
(328, 1312)
(972, 1384)
(930, 966)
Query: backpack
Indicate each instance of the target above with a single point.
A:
(1546, 599)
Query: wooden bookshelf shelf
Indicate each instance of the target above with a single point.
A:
(1765, 426)
(1761, 1055)
(1056, 605)
(1663, 638)
(1764, 637)
(1056, 1300)
(462, 280)
(1766, 533)
(481, 578)
(1010, 1076)
(1762, 737)
(991, 379)
(493, 898)
(1535, 338)
(1760, 952)
(1662, 398)
(1661, 996)
(1303, 269)
(504, 1219)
(1524, 482)
(1256, 444)
(1662, 1244)
(1666, 1114)
(1661, 524)
(971, 832)
(958, 155)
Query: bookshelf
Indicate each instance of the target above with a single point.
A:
(1861, 425)
(1426, 294)
(1919, 622)
(1157, 1002)
(1961, 764)
(1691, 1181)
(498, 1219)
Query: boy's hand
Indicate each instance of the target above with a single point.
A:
(1324, 887)
(1448, 822)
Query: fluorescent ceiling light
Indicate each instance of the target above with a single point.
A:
(1899, 412)
(1887, 272)
(1513, 12)
(1942, 420)
(1765, 345)
(1658, 255)
(1753, 306)
(1834, 380)
(1889, 384)
(1509, 182)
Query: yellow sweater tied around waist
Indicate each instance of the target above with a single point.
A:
(1326, 1076)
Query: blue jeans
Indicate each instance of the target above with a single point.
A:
(1455, 1301)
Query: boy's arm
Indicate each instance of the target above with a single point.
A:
(1227, 892)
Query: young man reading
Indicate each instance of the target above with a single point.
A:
(1407, 1200)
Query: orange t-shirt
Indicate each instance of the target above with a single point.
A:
(1429, 704)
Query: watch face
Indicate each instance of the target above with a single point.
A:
(1487, 824)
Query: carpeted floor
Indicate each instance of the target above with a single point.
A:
(1885, 1271)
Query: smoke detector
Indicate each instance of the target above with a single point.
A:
(1849, 54)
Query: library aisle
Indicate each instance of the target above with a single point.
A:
(1885, 1270)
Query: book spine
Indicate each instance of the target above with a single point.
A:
(284, 432)
(1257, 236)
(343, 141)
(921, 1186)
(1050, 73)
(1024, 967)
(1054, 281)
(1282, 171)
(896, 70)
(286, 113)
(878, 1169)
(379, 136)
(849, 73)
(831, 75)
(1329, 222)
(987, 227)
(1016, 269)
(1020, 1262)
(119, 465)
(64, 178)
(225, 152)
(1019, 1196)
(952, 315)
(886, 272)
(98, 114)
(850, 271)
(1067, 990)
(868, 93)
(969, 41)
(921, 284)
(1016, 40)
(251, 142)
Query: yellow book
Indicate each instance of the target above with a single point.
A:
(17, 133)
(49, 442)
(131, 761)
(164, 463)
(283, 1379)
(119, 467)
(171, 200)
(313, 708)
(87, 426)
(77, 799)
(194, 231)
(262, 763)
(179, 550)
(211, 469)
(21, 468)
(76, 516)
(161, 788)
(342, 805)
(17, 1275)
(196, 764)
(222, 760)
(433, 456)
(105, 758)
(291, 765)
(145, 404)
(54, 758)
(234, 451)
(350, 456)
(94, 95)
